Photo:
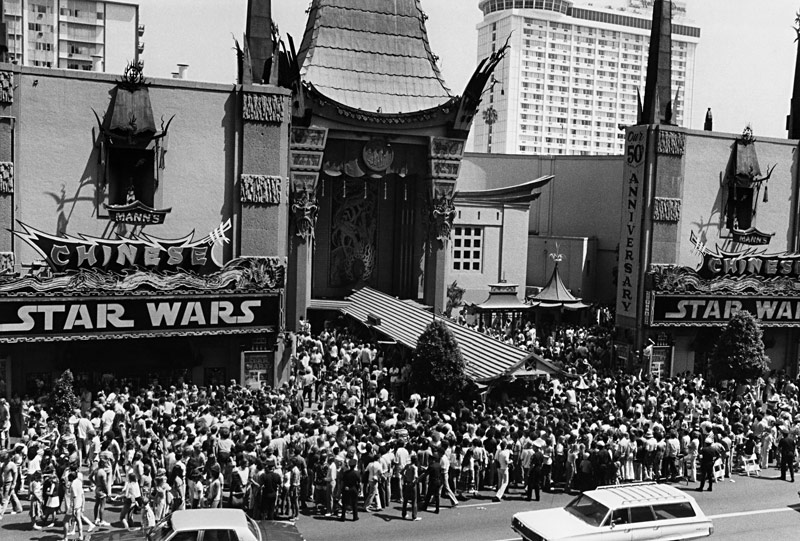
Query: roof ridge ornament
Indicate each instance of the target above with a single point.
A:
(557, 256)
(133, 76)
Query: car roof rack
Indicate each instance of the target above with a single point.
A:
(626, 485)
(639, 492)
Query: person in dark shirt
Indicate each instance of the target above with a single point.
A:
(409, 480)
(433, 474)
(270, 483)
(787, 446)
(708, 455)
(351, 481)
(533, 484)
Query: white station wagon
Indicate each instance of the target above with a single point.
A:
(637, 511)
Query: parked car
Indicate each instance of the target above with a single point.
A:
(639, 511)
(207, 525)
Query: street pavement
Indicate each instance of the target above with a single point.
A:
(745, 509)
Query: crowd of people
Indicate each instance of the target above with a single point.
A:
(344, 433)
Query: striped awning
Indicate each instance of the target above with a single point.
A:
(486, 358)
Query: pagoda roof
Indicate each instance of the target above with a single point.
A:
(555, 292)
(520, 193)
(502, 297)
(372, 55)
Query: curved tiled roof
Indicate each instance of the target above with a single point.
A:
(486, 357)
(371, 55)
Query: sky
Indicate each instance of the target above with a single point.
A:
(744, 70)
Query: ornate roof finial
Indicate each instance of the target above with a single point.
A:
(133, 76)
(747, 136)
(557, 256)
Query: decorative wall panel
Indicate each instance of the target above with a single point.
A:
(6, 177)
(260, 189)
(262, 108)
(671, 143)
(6, 87)
(666, 210)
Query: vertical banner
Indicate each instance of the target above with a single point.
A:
(258, 370)
(630, 257)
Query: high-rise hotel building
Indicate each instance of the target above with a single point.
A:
(570, 78)
(73, 34)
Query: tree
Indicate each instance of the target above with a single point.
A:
(739, 352)
(455, 296)
(438, 367)
(63, 399)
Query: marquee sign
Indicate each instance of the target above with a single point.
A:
(632, 203)
(716, 310)
(67, 253)
(24, 319)
(752, 262)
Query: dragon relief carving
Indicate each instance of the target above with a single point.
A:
(305, 210)
(443, 212)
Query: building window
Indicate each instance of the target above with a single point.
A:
(468, 249)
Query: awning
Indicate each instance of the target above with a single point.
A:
(486, 357)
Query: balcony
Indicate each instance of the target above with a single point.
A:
(141, 30)
(90, 21)
(86, 57)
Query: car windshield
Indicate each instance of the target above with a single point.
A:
(588, 510)
(254, 528)
(161, 531)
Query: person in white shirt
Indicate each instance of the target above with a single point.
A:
(503, 457)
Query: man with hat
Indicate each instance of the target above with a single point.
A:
(787, 447)
(351, 482)
(708, 455)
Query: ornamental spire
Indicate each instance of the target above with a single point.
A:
(658, 87)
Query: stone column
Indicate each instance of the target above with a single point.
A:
(6, 173)
(263, 192)
(307, 146)
(445, 163)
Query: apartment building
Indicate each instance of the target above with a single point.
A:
(73, 34)
(569, 81)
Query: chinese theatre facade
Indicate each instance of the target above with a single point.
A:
(710, 227)
(178, 231)
(144, 230)
(376, 149)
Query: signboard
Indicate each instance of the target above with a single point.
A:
(716, 310)
(754, 262)
(660, 361)
(137, 213)
(66, 253)
(623, 354)
(258, 369)
(38, 318)
(631, 230)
